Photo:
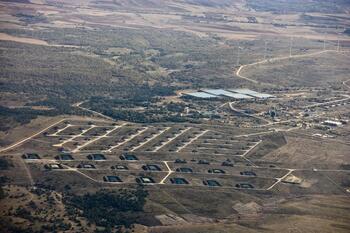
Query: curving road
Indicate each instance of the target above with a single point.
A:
(246, 114)
(239, 70)
(92, 111)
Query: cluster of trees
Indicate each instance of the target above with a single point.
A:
(141, 96)
(5, 226)
(110, 208)
(59, 226)
(56, 225)
(22, 212)
(58, 105)
(3, 180)
(204, 59)
(12, 117)
(175, 107)
(282, 6)
(126, 109)
(32, 18)
(347, 31)
(5, 164)
(63, 76)
(151, 112)
(43, 71)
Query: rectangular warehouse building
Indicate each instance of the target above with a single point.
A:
(200, 95)
(252, 93)
(221, 92)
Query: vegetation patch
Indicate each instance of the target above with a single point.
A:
(280, 6)
(110, 209)
(32, 18)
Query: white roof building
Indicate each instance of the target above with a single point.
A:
(332, 123)
(252, 93)
(222, 92)
(201, 95)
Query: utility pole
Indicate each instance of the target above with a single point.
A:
(265, 52)
(290, 46)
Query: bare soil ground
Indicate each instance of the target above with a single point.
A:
(7, 37)
(310, 152)
(308, 71)
(318, 202)
(226, 208)
(183, 17)
(24, 131)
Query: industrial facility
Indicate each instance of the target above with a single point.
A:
(236, 94)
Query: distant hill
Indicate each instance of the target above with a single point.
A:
(288, 6)
(166, 4)
(277, 6)
(212, 3)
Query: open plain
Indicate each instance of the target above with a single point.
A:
(174, 116)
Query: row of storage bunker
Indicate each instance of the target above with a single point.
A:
(69, 157)
(148, 168)
(145, 180)
(237, 94)
(124, 157)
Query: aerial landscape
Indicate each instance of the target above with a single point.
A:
(164, 116)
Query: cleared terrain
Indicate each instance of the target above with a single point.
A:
(95, 129)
